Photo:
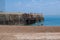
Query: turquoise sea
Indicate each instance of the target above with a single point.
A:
(49, 21)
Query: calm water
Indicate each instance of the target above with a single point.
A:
(50, 21)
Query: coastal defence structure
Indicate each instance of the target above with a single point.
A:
(17, 18)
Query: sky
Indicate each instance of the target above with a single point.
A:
(47, 7)
(2, 5)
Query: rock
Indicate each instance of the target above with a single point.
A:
(15, 19)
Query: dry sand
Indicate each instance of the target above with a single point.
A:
(32, 29)
(11, 32)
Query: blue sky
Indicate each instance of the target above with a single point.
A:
(2, 5)
(47, 7)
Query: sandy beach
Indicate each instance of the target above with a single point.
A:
(27, 29)
(13, 32)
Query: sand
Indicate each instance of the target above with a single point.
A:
(32, 29)
(13, 32)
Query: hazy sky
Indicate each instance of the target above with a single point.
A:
(47, 7)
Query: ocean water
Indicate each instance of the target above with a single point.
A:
(49, 21)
